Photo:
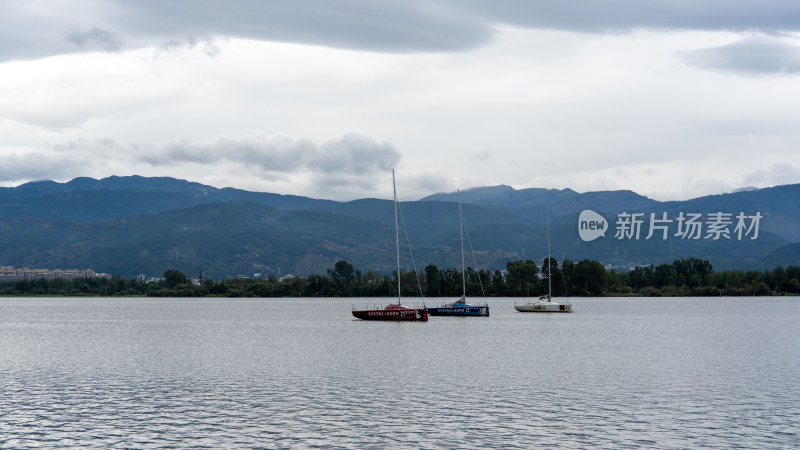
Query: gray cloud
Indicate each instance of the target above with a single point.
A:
(781, 173)
(360, 24)
(399, 27)
(94, 39)
(754, 55)
(421, 184)
(348, 167)
(19, 168)
(626, 15)
(345, 168)
(351, 154)
(206, 44)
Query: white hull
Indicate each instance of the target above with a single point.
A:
(545, 304)
(545, 307)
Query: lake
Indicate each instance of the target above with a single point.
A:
(288, 373)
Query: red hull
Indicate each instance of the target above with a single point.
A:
(392, 312)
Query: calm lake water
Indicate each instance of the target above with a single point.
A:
(278, 373)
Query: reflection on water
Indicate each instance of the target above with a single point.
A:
(303, 373)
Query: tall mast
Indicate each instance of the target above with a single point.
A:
(461, 235)
(396, 237)
(549, 275)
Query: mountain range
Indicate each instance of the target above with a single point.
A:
(136, 225)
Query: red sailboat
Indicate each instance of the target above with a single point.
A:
(394, 311)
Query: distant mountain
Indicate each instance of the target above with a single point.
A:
(529, 204)
(785, 256)
(503, 195)
(132, 225)
(745, 189)
(223, 240)
(780, 204)
(91, 200)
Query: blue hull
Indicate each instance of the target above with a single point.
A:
(460, 310)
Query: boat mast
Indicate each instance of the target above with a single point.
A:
(396, 237)
(461, 234)
(549, 275)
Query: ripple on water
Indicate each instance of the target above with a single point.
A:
(286, 373)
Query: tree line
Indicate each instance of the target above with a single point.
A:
(683, 277)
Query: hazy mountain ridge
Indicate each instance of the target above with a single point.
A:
(131, 225)
(503, 195)
(88, 200)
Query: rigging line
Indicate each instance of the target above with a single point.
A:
(408, 241)
(472, 252)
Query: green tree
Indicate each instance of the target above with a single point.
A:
(593, 276)
(521, 277)
(343, 272)
(174, 277)
(433, 281)
(343, 275)
(551, 270)
(498, 283)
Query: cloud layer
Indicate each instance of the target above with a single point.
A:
(752, 56)
(37, 28)
(344, 167)
(671, 99)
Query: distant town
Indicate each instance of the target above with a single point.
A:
(8, 273)
(586, 278)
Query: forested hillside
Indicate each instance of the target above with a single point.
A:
(134, 225)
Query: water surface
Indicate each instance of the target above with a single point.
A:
(668, 373)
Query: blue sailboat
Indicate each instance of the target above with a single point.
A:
(460, 307)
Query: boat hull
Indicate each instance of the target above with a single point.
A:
(418, 314)
(476, 311)
(544, 307)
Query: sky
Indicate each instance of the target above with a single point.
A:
(672, 99)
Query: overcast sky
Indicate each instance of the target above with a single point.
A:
(673, 99)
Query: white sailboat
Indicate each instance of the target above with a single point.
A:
(545, 304)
